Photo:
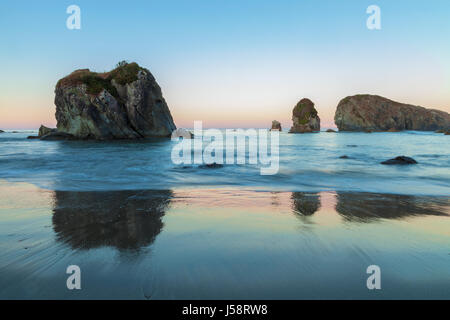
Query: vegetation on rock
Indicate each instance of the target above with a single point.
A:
(95, 82)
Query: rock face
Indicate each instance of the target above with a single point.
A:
(276, 126)
(375, 113)
(125, 103)
(305, 117)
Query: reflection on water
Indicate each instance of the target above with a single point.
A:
(133, 219)
(370, 207)
(120, 219)
(305, 203)
(221, 244)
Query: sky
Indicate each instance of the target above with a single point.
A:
(228, 63)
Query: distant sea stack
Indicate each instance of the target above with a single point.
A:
(375, 113)
(276, 126)
(305, 117)
(125, 103)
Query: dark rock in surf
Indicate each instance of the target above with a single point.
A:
(402, 160)
(55, 136)
(211, 166)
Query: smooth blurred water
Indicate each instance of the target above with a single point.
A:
(308, 162)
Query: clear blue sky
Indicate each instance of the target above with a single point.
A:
(230, 63)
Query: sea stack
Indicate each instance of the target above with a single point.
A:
(125, 103)
(276, 126)
(375, 113)
(305, 117)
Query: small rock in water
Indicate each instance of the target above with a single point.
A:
(400, 160)
(276, 126)
(211, 165)
(43, 130)
(33, 137)
(182, 133)
(1, 131)
(344, 157)
(331, 130)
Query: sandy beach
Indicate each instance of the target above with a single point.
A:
(221, 243)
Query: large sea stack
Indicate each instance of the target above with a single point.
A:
(125, 103)
(305, 117)
(375, 113)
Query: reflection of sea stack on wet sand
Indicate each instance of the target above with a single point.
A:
(120, 219)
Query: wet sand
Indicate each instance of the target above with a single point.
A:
(221, 244)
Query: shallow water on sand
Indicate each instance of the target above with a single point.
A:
(221, 243)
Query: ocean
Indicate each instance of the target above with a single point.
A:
(141, 227)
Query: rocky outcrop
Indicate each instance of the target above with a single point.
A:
(375, 113)
(402, 160)
(182, 133)
(1, 131)
(43, 130)
(276, 126)
(305, 117)
(125, 103)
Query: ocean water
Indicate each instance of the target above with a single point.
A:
(141, 227)
(307, 162)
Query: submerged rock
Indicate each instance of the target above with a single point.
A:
(305, 117)
(125, 103)
(331, 130)
(211, 166)
(400, 160)
(276, 126)
(375, 113)
(344, 157)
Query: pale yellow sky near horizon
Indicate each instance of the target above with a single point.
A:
(241, 94)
